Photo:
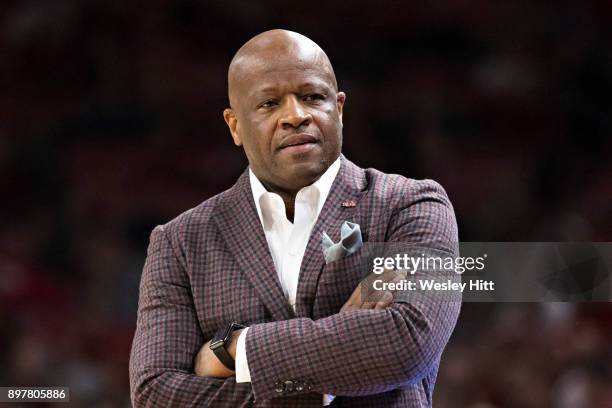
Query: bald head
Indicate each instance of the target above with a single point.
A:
(275, 50)
(285, 110)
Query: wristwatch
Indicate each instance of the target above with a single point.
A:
(221, 340)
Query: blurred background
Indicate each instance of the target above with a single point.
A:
(110, 123)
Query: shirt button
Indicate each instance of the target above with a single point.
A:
(299, 386)
(279, 387)
(289, 385)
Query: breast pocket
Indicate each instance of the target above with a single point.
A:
(337, 282)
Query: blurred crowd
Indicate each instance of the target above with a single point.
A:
(111, 124)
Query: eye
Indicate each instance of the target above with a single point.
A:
(268, 104)
(314, 97)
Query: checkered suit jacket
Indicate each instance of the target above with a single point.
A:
(211, 266)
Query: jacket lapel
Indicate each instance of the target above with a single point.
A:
(341, 205)
(241, 228)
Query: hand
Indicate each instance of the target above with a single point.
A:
(366, 297)
(208, 365)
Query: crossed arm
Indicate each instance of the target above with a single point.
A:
(208, 365)
(363, 349)
(167, 317)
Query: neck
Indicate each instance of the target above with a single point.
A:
(288, 197)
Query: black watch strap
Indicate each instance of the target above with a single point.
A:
(225, 358)
(219, 343)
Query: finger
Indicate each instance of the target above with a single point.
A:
(384, 276)
(385, 297)
(365, 305)
(350, 307)
(354, 301)
(370, 293)
(365, 296)
(386, 300)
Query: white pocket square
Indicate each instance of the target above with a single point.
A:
(350, 241)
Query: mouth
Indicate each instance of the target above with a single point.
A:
(298, 143)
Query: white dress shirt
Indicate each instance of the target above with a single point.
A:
(287, 241)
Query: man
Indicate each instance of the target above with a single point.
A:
(252, 255)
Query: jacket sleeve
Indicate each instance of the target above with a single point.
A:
(168, 338)
(365, 352)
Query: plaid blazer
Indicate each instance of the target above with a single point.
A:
(211, 266)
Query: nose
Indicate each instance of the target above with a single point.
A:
(293, 114)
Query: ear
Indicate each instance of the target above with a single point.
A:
(232, 124)
(340, 99)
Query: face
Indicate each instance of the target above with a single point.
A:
(287, 115)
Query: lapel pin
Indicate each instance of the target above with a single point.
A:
(348, 203)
